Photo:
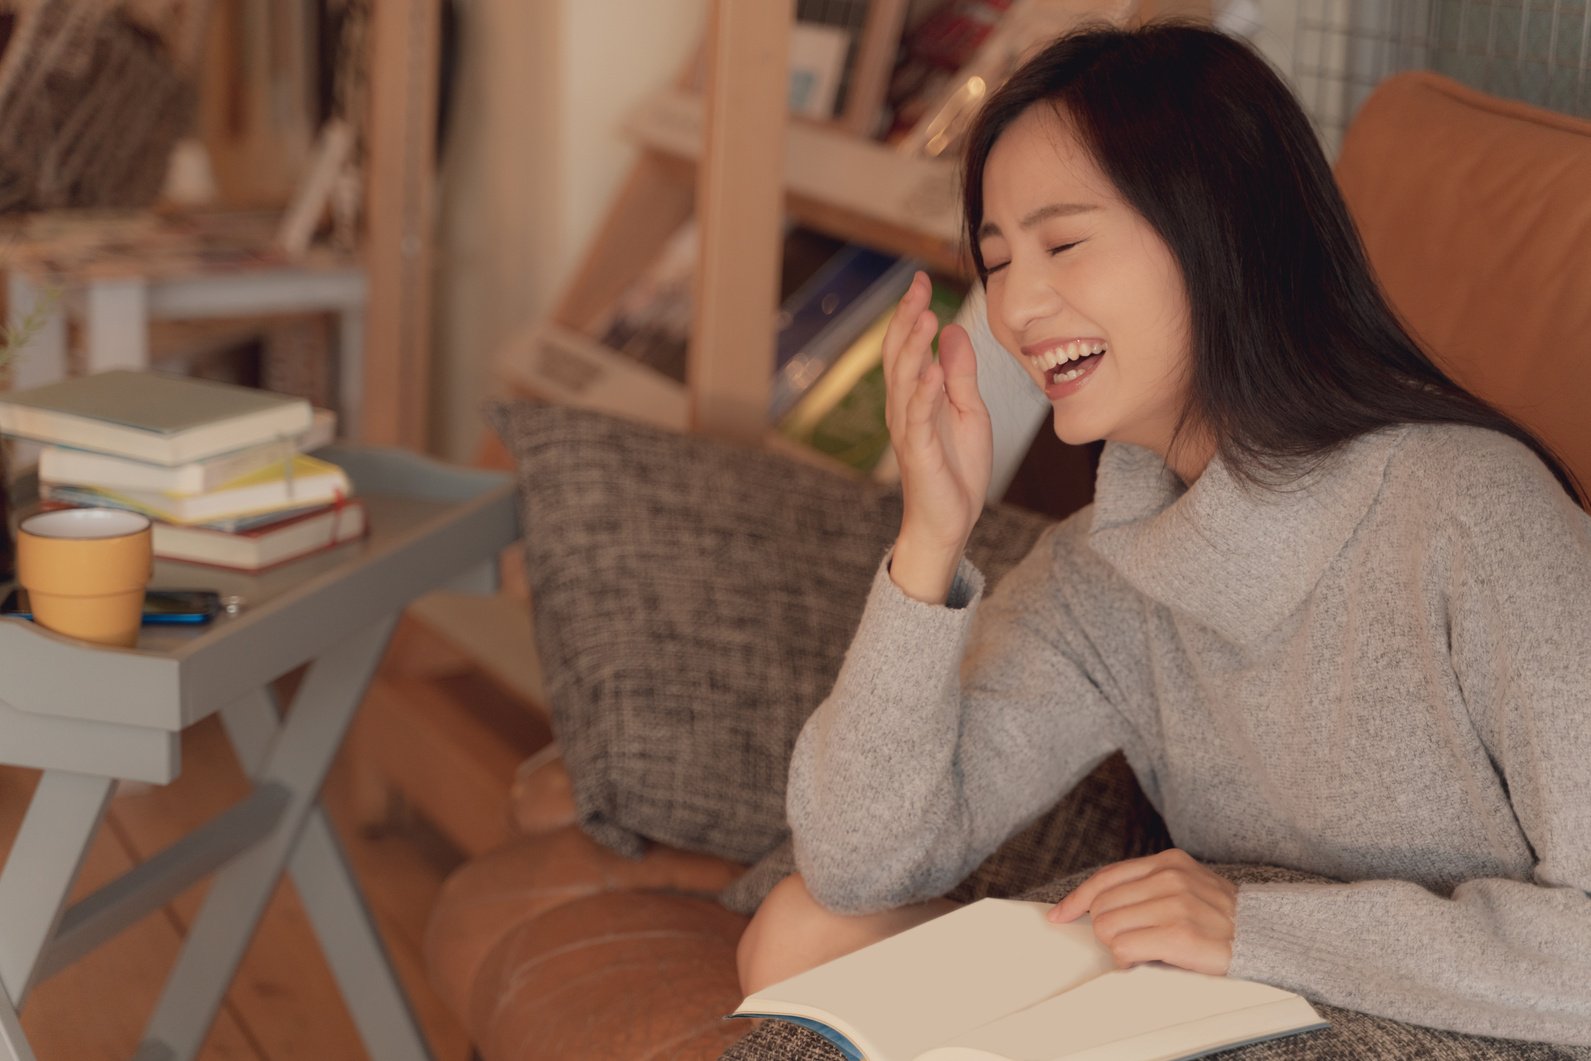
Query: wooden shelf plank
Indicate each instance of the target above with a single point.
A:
(738, 207)
(875, 59)
(402, 143)
(859, 189)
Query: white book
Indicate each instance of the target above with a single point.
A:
(298, 483)
(996, 981)
(152, 417)
(82, 467)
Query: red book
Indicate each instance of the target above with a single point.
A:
(264, 546)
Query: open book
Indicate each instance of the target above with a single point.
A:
(995, 981)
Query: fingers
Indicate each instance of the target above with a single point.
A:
(911, 359)
(908, 341)
(1177, 945)
(1174, 913)
(922, 408)
(914, 301)
(1166, 907)
(960, 364)
(1117, 873)
(1196, 883)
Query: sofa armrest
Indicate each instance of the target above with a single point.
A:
(542, 796)
(495, 895)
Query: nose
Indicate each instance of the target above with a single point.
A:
(1028, 296)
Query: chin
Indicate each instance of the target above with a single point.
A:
(1073, 431)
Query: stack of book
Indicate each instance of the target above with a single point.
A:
(221, 469)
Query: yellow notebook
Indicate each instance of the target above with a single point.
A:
(301, 482)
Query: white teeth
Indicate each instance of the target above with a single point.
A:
(1069, 351)
(1067, 377)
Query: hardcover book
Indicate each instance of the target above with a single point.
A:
(996, 981)
(152, 417)
(258, 548)
(820, 320)
(300, 482)
(81, 467)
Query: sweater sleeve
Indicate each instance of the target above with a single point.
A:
(1500, 957)
(947, 729)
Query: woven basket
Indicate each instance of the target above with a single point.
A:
(90, 105)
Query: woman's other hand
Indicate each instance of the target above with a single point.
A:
(1166, 907)
(940, 432)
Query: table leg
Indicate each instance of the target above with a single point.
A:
(13, 1044)
(300, 754)
(39, 871)
(336, 910)
(116, 325)
(44, 359)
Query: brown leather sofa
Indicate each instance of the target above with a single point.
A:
(1475, 215)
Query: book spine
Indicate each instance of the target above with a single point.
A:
(807, 366)
(843, 415)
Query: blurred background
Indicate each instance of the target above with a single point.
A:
(462, 155)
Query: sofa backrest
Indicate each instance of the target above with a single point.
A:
(1476, 214)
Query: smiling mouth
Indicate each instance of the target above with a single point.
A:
(1068, 371)
(1068, 361)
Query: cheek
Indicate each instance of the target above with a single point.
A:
(994, 307)
(1167, 314)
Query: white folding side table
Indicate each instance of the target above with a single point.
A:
(88, 716)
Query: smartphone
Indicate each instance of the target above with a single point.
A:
(161, 606)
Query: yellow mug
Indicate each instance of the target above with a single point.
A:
(85, 570)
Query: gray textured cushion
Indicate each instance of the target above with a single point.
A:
(692, 603)
(1351, 1037)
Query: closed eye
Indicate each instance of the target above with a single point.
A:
(990, 270)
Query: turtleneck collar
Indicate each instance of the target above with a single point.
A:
(1235, 557)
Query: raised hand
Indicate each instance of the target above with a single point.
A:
(939, 429)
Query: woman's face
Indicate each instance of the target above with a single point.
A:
(1074, 270)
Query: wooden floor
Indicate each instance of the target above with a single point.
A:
(283, 1003)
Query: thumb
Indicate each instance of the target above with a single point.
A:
(960, 363)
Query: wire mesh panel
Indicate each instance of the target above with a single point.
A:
(1538, 51)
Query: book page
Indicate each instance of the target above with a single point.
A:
(911, 992)
(1151, 1012)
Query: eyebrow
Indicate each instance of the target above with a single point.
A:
(1043, 213)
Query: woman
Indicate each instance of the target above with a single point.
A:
(1333, 608)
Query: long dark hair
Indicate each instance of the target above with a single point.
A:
(1295, 350)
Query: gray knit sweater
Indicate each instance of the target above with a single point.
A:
(1383, 677)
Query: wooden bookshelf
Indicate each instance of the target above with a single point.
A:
(821, 175)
